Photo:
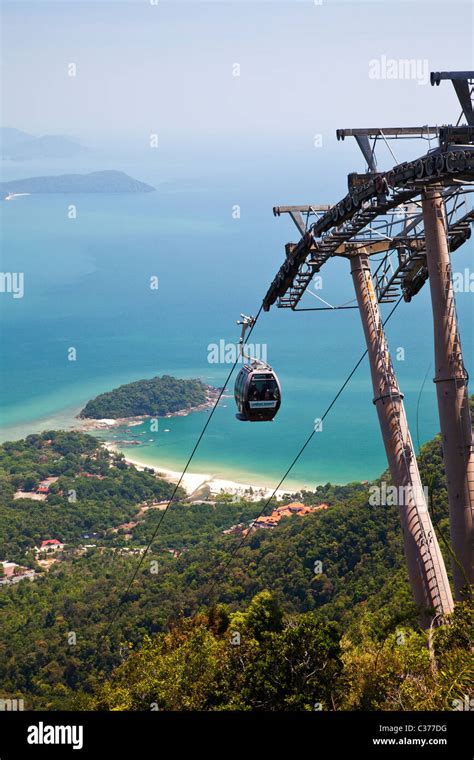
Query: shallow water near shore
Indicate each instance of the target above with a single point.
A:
(87, 287)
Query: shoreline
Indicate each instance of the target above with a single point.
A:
(214, 485)
(68, 418)
(199, 485)
(91, 423)
(248, 485)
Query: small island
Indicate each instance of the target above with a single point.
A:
(158, 397)
(109, 181)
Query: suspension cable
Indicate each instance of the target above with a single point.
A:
(163, 514)
(238, 546)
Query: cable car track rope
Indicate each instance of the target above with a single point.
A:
(190, 458)
(302, 449)
(163, 514)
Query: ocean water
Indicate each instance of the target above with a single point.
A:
(87, 288)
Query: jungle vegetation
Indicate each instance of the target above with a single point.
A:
(154, 398)
(314, 614)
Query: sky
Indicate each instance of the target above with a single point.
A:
(169, 67)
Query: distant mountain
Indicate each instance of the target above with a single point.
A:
(97, 182)
(17, 145)
(10, 138)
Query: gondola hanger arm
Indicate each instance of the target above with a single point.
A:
(247, 323)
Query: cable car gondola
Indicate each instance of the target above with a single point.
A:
(257, 393)
(257, 388)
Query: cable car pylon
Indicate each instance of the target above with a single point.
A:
(381, 215)
(452, 393)
(426, 570)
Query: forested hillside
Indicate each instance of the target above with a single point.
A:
(260, 659)
(92, 491)
(315, 612)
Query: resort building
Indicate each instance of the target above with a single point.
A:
(13, 573)
(50, 546)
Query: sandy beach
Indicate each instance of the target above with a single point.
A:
(198, 484)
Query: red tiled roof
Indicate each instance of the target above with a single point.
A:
(290, 506)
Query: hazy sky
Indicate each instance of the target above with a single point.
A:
(148, 68)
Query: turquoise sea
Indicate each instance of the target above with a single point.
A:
(87, 287)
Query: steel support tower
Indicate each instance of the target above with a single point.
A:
(413, 215)
(426, 570)
(451, 388)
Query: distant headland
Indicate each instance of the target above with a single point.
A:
(109, 181)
